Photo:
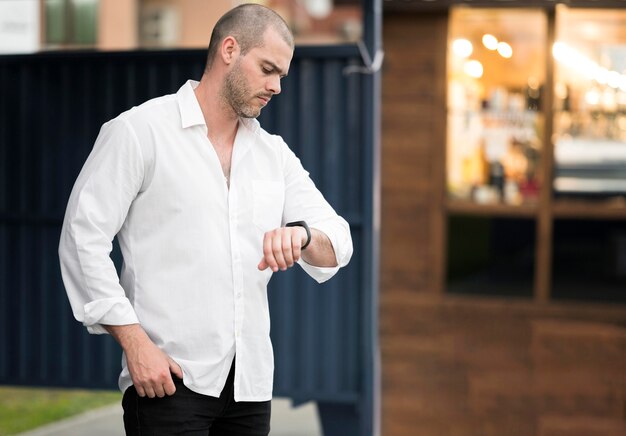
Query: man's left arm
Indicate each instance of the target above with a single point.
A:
(330, 247)
(320, 251)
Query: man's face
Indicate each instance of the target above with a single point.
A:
(255, 77)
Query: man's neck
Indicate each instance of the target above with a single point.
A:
(220, 119)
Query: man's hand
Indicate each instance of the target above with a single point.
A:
(149, 367)
(282, 248)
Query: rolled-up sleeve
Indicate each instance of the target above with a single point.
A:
(104, 190)
(303, 201)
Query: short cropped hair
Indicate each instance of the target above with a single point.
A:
(247, 24)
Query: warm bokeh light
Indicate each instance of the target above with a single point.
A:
(560, 91)
(505, 50)
(609, 101)
(473, 69)
(614, 79)
(533, 82)
(601, 75)
(572, 58)
(490, 41)
(462, 48)
(592, 97)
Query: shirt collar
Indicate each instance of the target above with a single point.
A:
(252, 124)
(190, 112)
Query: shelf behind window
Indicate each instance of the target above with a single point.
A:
(579, 208)
(466, 207)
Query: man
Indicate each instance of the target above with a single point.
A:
(206, 205)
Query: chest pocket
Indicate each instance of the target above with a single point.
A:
(268, 200)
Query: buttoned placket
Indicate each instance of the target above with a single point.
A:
(230, 194)
(236, 261)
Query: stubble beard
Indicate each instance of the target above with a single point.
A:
(236, 92)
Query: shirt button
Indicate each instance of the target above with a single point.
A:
(238, 294)
(237, 333)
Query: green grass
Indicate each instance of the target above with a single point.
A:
(23, 409)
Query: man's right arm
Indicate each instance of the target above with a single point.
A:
(102, 195)
(97, 208)
(149, 367)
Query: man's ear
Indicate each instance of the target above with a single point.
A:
(229, 50)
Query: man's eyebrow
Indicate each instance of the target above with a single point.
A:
(274, 67)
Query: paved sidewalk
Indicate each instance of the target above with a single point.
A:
(107, 421)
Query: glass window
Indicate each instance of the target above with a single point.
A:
(496, 73)
(71, 22)
(590, 102)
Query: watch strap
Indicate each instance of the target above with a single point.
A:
(306, 227)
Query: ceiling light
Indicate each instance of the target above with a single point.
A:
(473, 69)
(490, 41)
(505, 50)
(614, 79)
(462, 48)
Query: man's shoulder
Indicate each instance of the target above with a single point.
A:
(156, 109)
(270, 140)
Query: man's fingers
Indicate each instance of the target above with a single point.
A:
(296, 249)
(149, 391)
(277, 249)
(262, 265)
(269, 253)
(287, 251)
(175, 368)
(158, 388)
(169, 387)
(140, 390)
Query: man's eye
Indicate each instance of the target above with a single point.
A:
(267, 70)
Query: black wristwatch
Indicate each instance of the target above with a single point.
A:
(306, 227)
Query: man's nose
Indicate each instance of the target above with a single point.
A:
(273, 84)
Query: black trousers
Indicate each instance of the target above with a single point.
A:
(192, 414)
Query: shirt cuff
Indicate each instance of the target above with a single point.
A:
(108, 311)
(339, 235)
(319, 273)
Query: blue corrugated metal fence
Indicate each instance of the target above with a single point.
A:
(51, 108)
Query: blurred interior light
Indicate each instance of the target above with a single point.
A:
(473, 69)
(601, 76)
(490, 41)
(558, 51)
(588, 68)
(505, 50)
(592, 97)
(462, 48)
(621, 102)
(613, 79)
(609, 101)
(318, 8)
(560, 90)
(564, 54)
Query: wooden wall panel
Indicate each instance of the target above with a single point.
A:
(413, 132)
(474, 366)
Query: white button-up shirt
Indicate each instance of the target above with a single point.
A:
(190, 244)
